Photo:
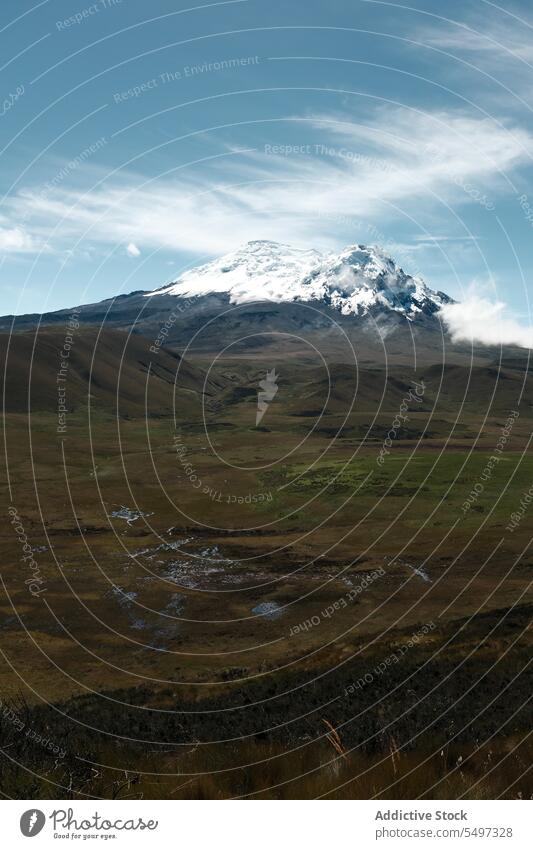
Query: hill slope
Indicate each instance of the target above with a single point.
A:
(110, 370)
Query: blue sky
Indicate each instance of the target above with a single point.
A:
(140, 138)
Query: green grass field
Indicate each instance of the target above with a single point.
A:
(224, 582)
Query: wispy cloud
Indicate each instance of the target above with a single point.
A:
(398, 159)
(430, 238)
(493, 55)
(508, 37)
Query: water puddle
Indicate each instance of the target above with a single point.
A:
(420, 572)
(268, 609)
(176, 605)
(129, 515)
(125, 599)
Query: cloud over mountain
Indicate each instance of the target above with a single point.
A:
(398, 160)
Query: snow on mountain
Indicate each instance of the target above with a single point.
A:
(356, 281)
(259, 270)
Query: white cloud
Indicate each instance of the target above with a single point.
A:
(133, 250)
(16, 240)
(430, 238)
(399, 157)
(510, 38)
(477, 319)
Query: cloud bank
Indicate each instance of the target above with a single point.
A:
(479, 320)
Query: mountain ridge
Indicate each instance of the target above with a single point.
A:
(269, 299)
(357, 281)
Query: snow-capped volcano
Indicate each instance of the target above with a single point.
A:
(267, 294)
(356, 281)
